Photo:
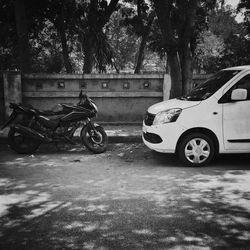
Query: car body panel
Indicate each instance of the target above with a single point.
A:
(227, 121)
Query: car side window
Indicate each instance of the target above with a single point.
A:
(243, 83)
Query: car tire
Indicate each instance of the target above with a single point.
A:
(196, 150)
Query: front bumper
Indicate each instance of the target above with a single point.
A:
(162, 138)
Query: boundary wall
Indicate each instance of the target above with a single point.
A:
(122, 98)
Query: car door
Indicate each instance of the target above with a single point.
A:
(236, 119)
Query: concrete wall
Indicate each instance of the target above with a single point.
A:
(120, 98)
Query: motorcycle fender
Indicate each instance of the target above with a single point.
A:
(10, 120)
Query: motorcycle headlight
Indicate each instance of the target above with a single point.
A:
(167, 116)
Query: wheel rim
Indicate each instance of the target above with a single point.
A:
(96, 140)
(197, 150)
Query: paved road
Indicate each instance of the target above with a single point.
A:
(126, 198)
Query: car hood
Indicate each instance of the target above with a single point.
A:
(169, 104)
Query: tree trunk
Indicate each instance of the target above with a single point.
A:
(175, 74)
(182, 46)
(88, 60)
(61, 30)
(65, 52)
(140, 57)
(185, 38)
(88, 53)
(186, 69)
(163, 12)
(23, 37)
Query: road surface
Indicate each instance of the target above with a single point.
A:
(127, 198)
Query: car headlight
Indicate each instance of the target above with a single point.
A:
(167, 116)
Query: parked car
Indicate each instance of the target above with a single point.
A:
(213, 118)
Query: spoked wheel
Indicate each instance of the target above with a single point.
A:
(196, 150)
(22, 144)
(95, 142)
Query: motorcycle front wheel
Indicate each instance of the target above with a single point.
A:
(22, 144)
(95, 142)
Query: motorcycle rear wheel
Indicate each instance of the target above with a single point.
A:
(97, 143)
(22, 144)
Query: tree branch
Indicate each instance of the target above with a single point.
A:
(111, 8)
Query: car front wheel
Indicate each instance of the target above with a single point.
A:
(196, 150)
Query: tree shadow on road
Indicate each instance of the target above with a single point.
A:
(201, 212)
(229, 161)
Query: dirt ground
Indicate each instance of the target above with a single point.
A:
(126, 198)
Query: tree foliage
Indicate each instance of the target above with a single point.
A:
(225, 42)
(100, 35)
(71, 19)
(210, 47)
(122, 40)
(9, 38)
(244, 5)
(180, 22)
(94, 15)
(141, 22)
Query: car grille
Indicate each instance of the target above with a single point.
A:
(148, 119)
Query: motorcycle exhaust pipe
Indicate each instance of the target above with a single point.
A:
(31, 133)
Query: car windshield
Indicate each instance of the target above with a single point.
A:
(209, 87)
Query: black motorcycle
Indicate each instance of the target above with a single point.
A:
(29, 127)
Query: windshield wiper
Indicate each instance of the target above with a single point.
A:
(194, 98)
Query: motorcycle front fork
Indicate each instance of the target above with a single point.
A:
(92, 127)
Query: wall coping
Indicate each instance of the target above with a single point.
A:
(102, 76)
(102, 94)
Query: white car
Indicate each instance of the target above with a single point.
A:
(213, 118)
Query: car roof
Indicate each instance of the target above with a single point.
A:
(244, 67)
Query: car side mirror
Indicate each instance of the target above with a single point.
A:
(239, 95)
